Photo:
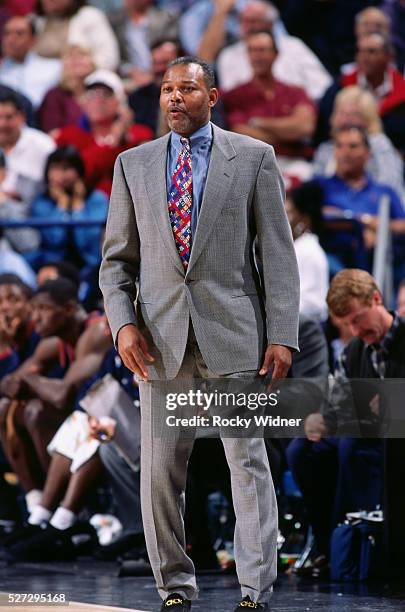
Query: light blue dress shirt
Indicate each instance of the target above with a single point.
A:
(200, 145)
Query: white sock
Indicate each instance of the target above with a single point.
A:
(33, 498)
(63, 518)
(39, 515)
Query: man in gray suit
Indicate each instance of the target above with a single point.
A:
(185, 212)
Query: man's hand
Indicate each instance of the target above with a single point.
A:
(133, 350)
(11, 386)
(279, 357)
(102, 429)
(315, 427)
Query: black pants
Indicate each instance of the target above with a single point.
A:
(336, 476)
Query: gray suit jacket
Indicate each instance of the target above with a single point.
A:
(234, 312)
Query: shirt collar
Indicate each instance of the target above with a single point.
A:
(380, 91)
(202, 138)
(368, 182)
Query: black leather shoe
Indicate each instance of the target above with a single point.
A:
(247, 604)
(175, 602)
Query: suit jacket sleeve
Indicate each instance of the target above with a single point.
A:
(279, 263)
(120, 263)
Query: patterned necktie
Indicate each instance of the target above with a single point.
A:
(180, 201)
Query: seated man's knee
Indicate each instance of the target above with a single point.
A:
(359, 450)
(34, 414)
(4, 408)
(296, 451)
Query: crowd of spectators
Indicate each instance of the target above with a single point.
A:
(79, 83)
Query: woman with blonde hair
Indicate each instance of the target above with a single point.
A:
(356, 107)
(61, 105)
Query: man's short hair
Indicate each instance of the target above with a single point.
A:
(351, 128)
(65, 269)
(209, 75)
(60, 290)
(348, 285)
(269, 33)
(9, 96)
(12, 279)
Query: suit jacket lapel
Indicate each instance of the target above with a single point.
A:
(220, 176)
(157, 191)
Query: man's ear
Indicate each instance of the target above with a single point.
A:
(214, 95)
(377, 298)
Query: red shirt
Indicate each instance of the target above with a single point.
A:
(249, 100)
(393, 98)
(99, 159)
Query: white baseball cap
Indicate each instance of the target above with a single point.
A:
(108, 79)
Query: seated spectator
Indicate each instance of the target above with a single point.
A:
(270, 110)
(18, 338)
(66, 198)
(295, 64)
(395, 11)
(401, 299)
(72, 350)
(347, 471)
(11, 209)
(351, 189)
(303, 208)
(355, 106)
(373, 71)
(110, 129)
(75, 468)
(26, 150)
(139, 26)
(70, 22)
(61, 105)
(21, 68)
(144, 101)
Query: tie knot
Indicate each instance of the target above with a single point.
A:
(185, 142)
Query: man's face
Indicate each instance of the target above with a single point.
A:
(366, 321)
(261, 52)
(351, 153)
(14, 306)
(161, 58)
(11, 122)
(49, 318)
(371, 57)
(17, 39)
(100, 104)
(254, 18)
(401, 302)
(372, 20)
(185, 99)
